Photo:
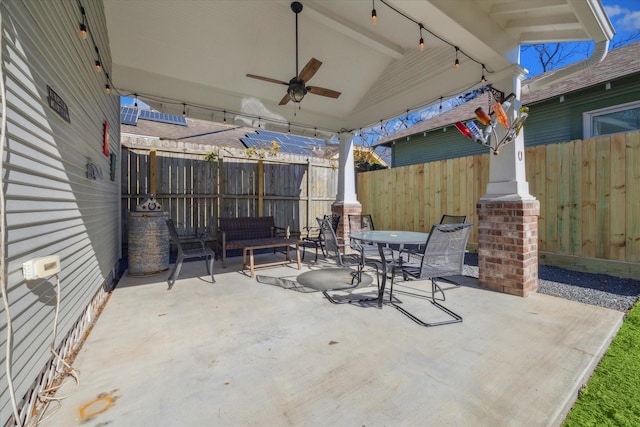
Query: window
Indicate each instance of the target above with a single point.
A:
(605, 121)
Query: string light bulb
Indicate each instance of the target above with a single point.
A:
(483, 79)
(83, 25)
(374, 15)
(421, 38)
(135, 103)
(83, 31)
(457, 63)
(98, 65)
(107, 89)
(184, 110)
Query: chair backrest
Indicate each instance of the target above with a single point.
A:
(360, 223)
(173, 233)
(331, 245)
(334, 219)
(444, 251)
(244, 228)
(453, 219)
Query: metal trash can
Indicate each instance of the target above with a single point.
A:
(148, 239)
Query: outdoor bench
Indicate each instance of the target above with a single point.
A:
(251, 233)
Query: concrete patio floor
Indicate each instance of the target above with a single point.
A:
(243, 353)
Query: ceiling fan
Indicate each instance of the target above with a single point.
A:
(297, 85)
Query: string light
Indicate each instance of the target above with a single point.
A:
(483, 79)
(107, 87)
(421, 38)
(135, 104)
(224, 117)
(83, 31)
(457, 63)
(184, 110)
(83, 26)
(374, 15)
(440, 108)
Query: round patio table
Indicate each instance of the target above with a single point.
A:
(389, 237)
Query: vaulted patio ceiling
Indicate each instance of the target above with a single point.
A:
(199, 52)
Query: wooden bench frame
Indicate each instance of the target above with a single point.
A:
(248, 232)
(251, 245)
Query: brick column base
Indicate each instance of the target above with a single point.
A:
(508, 246)
(344, 210)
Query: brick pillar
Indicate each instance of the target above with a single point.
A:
(508, 246)
(344, 210)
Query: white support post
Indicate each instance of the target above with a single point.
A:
(346, 172)
(507, 173)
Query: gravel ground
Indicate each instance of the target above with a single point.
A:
(596, 289)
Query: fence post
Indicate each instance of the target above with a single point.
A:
(152, 172)
(260, 188)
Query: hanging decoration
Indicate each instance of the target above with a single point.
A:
(481, 131)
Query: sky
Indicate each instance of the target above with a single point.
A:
(623, 14)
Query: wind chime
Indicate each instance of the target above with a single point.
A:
(481, 132)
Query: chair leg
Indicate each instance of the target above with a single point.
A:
(175, 273)
(455, 318)
(358, 275)
(211, 260)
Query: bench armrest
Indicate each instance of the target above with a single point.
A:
(280, 232)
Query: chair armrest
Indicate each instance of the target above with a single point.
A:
(280, 232)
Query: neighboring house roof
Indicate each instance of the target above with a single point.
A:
(191, 133)
(621, 62)
(196, 132)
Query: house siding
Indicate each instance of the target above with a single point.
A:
(550, 121)
(436, 145)
(51, 206)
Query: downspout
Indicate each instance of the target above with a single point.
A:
(599, 53)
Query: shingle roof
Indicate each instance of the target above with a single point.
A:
(618, 63)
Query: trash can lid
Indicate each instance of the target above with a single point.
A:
(149, 205)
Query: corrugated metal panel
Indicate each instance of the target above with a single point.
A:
(52, 207)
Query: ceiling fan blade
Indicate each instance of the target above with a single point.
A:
(267, 79)
(323, 91)
(309, 70)
(285, 100)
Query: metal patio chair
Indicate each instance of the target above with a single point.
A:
(446, 219)
(363, 223)
(314, 240)
(183, 254)
(443, 256)
(335, 250)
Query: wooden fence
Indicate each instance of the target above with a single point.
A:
(196, 192)
(589, 194)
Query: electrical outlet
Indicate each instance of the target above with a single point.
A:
(39, 268)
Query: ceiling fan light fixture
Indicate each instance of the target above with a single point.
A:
(297, 91)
